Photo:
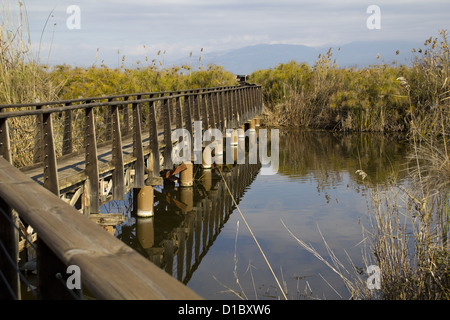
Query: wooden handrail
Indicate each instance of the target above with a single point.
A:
(109, 268)
(125, 96)
(89, 104)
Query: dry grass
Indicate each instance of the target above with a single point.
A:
(354, 280)
(411, 249)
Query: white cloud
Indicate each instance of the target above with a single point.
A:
(181, 26)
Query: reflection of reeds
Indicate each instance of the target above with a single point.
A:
(408, 234)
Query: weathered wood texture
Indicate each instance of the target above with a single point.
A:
(116, 134)
(109, 268)
(106, 143)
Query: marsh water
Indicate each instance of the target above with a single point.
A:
(200, 236)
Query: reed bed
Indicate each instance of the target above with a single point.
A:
(24, 79)
(407, 237)
(381, 97)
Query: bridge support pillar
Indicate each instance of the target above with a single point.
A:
(186, 176)
(206, 160)
(252, 125)
(241, 132)
(234, 137)
(145, 200)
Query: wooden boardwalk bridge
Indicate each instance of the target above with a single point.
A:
(64, 157)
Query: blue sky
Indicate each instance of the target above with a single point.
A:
(111, 29)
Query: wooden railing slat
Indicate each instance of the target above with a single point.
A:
(5, 144)
(51, 180)
(167, 104)
(138, 149)
(68, 132)
(71, 238)
(153, 137)
(118, 188)
(90, 143)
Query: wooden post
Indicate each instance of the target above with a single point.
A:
(242, 115)
(108, 119)
(217, 110)
(118, 191)
(9, 253)
(5, 145)
(168, 164)
(51, 181)
(233, 110)
(196, 101)
(90, 144)
(247, 103)
(234, 137)
(188, 114)
(178, 113)
(254, 102)
(126, 118)
(211, 111)
(68, 132)
(205, 120)
(109, 268)
(260, 100)
(241, 132)
(153, 137)
(252, 125)
(206, 159)
(223, 110)
(38, 138)
(138, 149)
(86, 198)
(186, 176)
(145, 200)
(50, 268)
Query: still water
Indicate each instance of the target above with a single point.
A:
(199, 236)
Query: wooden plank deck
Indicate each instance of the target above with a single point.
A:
(71, 168)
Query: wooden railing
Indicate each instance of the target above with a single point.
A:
(109, 268)
(44, 135)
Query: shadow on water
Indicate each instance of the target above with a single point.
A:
(194, 234)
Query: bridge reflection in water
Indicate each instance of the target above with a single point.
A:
(187, 220)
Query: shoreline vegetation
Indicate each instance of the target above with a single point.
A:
(409, 236)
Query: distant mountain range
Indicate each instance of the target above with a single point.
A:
(263, 56)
